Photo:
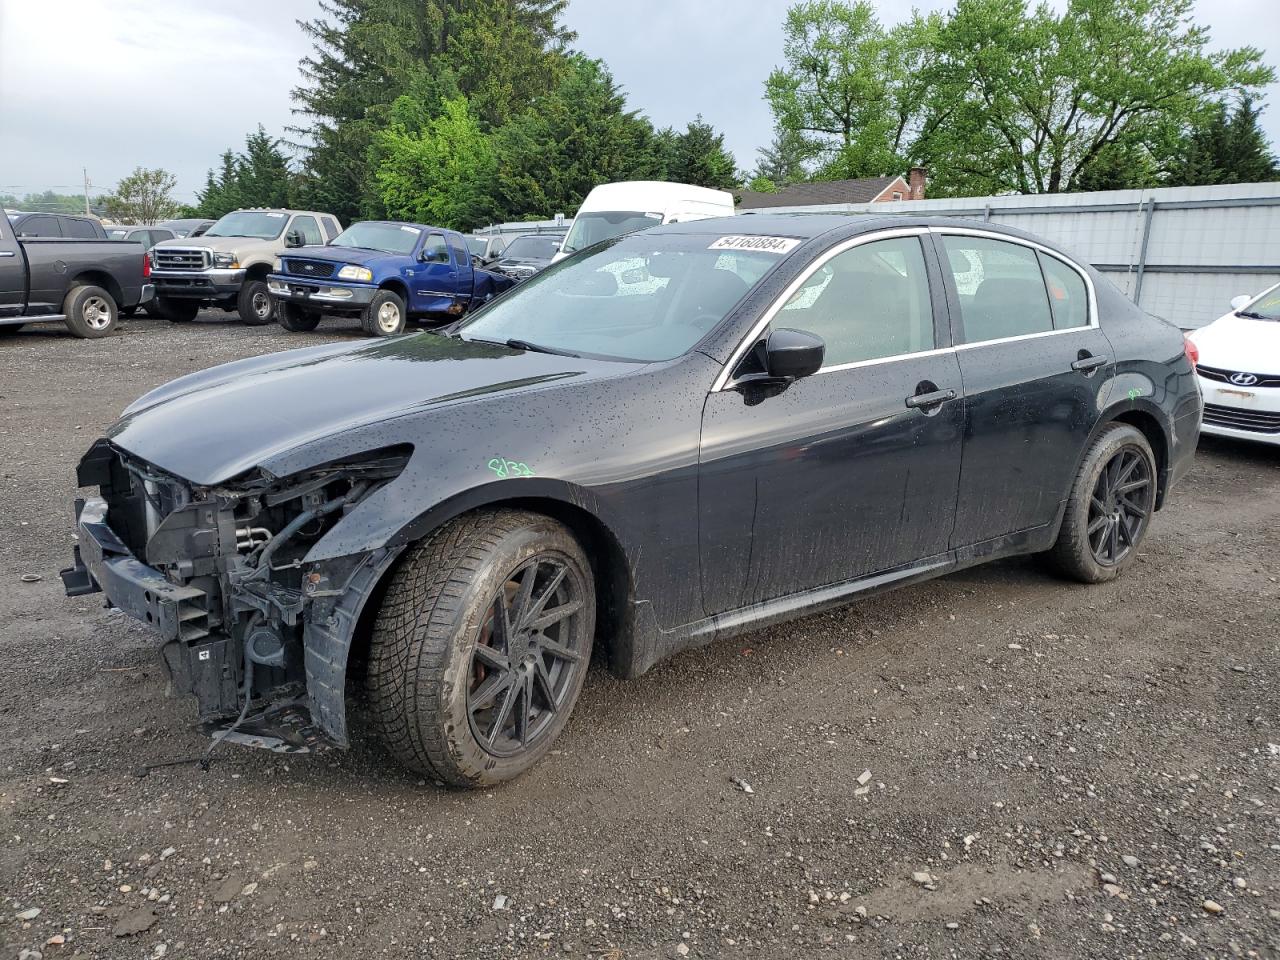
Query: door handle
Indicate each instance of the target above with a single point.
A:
(935, 398)
(1088, 364)
(7, 253)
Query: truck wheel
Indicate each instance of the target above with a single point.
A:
(293, 317)
(480, 647)
(177, 311)
(384, 316)
(90, 312)
(255, 306)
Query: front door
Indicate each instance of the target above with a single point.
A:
(435, 277)
(851, 471)
(13, 272)
(1036, 374)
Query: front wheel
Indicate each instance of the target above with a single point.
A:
(1110, 507)
(90, 312)
(254, 304)
(480, 647)
(384, 316)
(292, 317)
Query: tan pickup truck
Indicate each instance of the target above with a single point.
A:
(228, 265)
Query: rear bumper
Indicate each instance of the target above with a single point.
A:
(103, 563)
(326, 294)
(198, 285)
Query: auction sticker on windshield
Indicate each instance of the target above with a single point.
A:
(763, 244)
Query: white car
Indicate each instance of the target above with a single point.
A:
(1239, 369)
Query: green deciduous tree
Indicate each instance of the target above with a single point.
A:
(145, 196)
(436, 170)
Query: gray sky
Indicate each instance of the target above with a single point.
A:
(113, 84)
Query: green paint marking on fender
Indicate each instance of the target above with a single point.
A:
(1134, 393)
(505, 468)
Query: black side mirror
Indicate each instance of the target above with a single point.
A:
(792, 354)
(293, 239)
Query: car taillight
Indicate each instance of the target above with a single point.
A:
(146, 265)
(1191, 350)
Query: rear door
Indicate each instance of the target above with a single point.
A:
(849, 472)
(1037, 370)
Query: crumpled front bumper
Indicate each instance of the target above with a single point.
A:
(103, 563)
(324, 292)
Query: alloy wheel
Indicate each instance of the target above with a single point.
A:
(1119, 506)
(526, 658)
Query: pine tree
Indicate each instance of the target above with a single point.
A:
(1226, 148)
(698, 156)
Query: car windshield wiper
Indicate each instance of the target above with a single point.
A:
(521, 345)
(1252, 316)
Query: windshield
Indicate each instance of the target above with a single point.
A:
(640, 298)
(395, 238)
(117, 233)
(1266, 307)
(478, 246)
(533, 248)
(590, 228)
(259, 224)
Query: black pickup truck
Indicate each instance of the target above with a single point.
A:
(82, 283)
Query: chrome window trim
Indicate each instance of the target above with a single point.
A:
(1019, 241)
(747, 342)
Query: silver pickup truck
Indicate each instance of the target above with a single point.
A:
(84, 284)
(228, 265)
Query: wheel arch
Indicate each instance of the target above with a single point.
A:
(560, 501)
(98, 278)
(398, 287)
(1151, 422)
(258, 271)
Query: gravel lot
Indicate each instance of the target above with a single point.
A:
(1054, 770)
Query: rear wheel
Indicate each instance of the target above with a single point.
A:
(384, 316)
(481, 646)
(90, 311)
(177, 311)
(254, 304)
(293, 317)
(1109, 509)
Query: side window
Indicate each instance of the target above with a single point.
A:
(330, 227)
(80, 229)
(435, 249)
(1068, 295)
(39, 227)
(869, 302)
(1002, 292)
(309, 229)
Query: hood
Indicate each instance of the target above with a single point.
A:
(332, 254)
(1239, 343)
(522, 261)
(239, 245)
(211, 426)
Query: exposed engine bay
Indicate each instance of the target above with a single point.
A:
(221, 572)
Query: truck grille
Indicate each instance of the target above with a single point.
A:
(308, 268)
(174, 259)
(1258, 421)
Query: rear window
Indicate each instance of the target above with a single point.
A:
(1002, 292)
(80, 229)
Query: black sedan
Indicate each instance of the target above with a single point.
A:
(525, 256)
(668, 438)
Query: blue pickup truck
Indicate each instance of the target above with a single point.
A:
(384, 272)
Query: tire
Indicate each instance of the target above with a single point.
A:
(254, 304)
(384, 316)
(177, 311)
(436, 645)
(90, 311)
(1109, 509)
(293, 317)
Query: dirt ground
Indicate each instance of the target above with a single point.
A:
(995, 763)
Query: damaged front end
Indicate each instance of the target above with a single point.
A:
(254, 631)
